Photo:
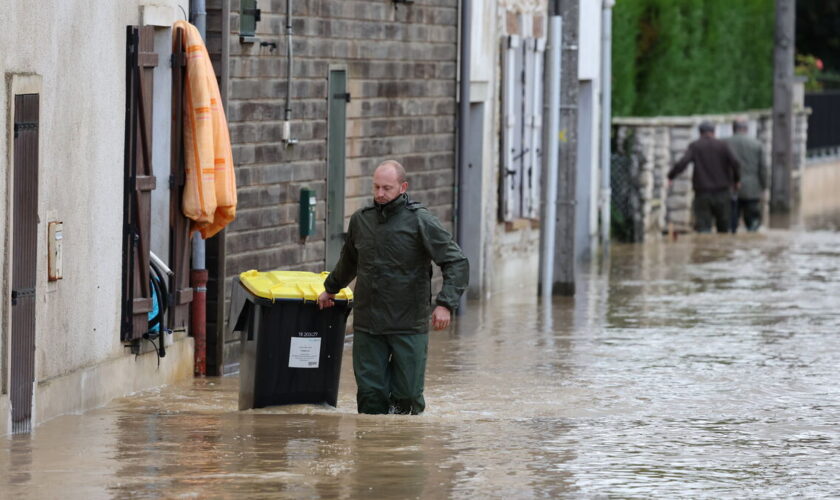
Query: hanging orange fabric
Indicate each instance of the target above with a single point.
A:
(210, 184)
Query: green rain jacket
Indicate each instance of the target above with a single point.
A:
(389, 250)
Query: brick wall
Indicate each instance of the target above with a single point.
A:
(401, 67)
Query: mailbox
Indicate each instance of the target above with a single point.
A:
(307, 212)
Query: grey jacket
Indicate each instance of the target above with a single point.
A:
(753, 168)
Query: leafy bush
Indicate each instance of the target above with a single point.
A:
(683, 57)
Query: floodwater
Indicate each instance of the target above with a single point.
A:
(705, 367)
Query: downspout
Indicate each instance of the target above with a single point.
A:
(217, 356)
(606, 122)
(463, 112)
(198, 13)
(287, 111)
(198, 274)
(552, 158)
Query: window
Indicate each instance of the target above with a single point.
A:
(522, 98)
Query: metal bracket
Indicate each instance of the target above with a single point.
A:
(25, 126)
(345, 96)
(523, 153)
(22, 293)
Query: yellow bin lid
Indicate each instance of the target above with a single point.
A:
(300, 285)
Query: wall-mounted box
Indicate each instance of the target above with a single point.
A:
(307, 212)
(249, 16)
(55, 235)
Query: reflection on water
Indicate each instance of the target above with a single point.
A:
(829, 221)
(700, 368)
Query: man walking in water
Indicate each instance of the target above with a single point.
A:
(749, 153)
(389, 249)
(716, 173)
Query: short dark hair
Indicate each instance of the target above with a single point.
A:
(706, 127)
(740, 125)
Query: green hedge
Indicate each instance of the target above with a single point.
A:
(683, 57)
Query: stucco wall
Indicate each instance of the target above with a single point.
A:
(820, 186)
(511, 250)
(76, 49)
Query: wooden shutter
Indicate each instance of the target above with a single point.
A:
(141, 60)
(179, 225)
(511, 198)
(533, 128)
(525, 118)
(24, 255)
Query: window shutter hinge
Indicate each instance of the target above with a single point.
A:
(25, 126)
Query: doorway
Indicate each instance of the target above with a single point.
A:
(24, 254)
(337, 99)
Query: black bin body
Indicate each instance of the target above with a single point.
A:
(291, 351)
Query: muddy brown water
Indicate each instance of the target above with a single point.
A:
(701, 368)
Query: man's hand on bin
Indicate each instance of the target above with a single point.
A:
(441, 317)
(325, 300)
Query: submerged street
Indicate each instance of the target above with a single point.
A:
(705, 367)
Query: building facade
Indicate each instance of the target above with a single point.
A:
(62, 157)
(366, 81)
(508, 112)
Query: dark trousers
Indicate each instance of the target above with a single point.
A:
(390, 371)
(712, 207)
(750, 210)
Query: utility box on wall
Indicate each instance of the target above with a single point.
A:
(55, 235)
(307, 212)
(249, 16)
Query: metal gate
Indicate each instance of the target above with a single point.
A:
(24, 254)
(625, 218)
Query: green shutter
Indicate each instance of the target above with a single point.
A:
(249, 15)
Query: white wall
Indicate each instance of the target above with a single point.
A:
(77, 48)
(589, 55)
(589, 72)
(511, 253)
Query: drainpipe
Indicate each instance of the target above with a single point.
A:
(606, 121)
(198, 14)
(552, 157)
(463, 112)
(216, 357)
(198, 274)
(287, 111)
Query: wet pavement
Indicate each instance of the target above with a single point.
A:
(705, 367)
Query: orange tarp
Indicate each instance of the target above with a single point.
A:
(210, 186)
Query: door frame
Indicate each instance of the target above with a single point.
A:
(328, 256)
(17, 84)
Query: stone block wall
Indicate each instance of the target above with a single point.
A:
(655, 144)
(401, 66)
(401, 63)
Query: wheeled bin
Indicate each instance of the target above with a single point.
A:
(291, 350)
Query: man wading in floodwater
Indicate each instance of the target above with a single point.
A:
(389, 249)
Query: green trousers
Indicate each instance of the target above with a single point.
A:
(390, 372)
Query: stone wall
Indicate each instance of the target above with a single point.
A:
(401, 63)
(653, 145)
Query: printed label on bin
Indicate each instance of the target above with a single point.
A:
(304, 352)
